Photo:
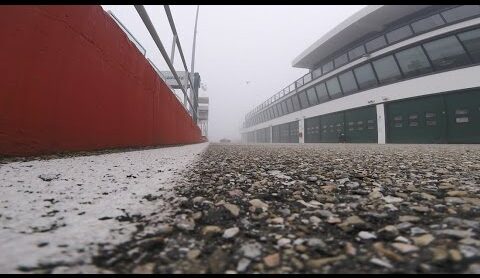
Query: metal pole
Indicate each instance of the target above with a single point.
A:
(172, 55)
(193, 53)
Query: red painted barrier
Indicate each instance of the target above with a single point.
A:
(70, 80)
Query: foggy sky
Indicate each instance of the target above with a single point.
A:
(236, 44)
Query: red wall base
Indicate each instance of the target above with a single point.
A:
(72, 81)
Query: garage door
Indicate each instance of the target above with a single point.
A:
(463, 110)
(332, 127)
(361, 125)
(312, 130)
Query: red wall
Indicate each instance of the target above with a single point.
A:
(71, 80)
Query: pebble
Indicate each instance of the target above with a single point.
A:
(283, 241)
(272, 260)
(233, 209)
(251, 250)
(366, 235)
(243, 264)
(379, 262)
(423, 240)
(231, 232)
(404, 248)
(319, 263)
(210, 230)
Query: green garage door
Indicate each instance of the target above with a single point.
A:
(361, 125)
(276, 134)
(293, 127)
(332, 127)
(420, 120)
(463, 111)
(284, 133)
(312, 130)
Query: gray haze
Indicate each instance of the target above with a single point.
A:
(236, 44)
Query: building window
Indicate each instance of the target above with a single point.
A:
(312, 96)
(461, 12)
(413, 61)
(275, 111)
(340, 61)
(317, 73)
(413, 120)
(376, 44)
(427, 24)
(334, 88)
(446, 53)
(399, 34)
(351, 126)
(289, 105)
(356, 52)
(431, 119)
(303, 99)
(322, 92)
(296, 103)
(327, 67)
(349, 85)
(471, 40)
(279, 109)
(387, 70)
(371, 124)
(365, 76)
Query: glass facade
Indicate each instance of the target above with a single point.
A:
(413, 61)
(446, 53)
(443, 53)
(387, 69)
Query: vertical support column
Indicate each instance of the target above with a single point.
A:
(301, 131)
(381, 124)
(271, 134)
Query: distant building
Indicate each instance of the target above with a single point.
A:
(387, 74)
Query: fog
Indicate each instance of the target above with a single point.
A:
(243, 53)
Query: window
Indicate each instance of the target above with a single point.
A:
(356, 52)
(387, 70)
(270, 110)
(376, 44)
(413, 61)
(399, 34)
(371, 124)
(275, 111)
(317, 73)
(284, 107)
(340, 61)
(322, 92)
(471, 40)
(279, 109)
(327, 67)
(461, 12)
(427, 24)
(303, 99)
(349, 85)
(351, 126)
(312, 96)
(307, 78)
(431, 119)
(289, 105)
(296, 103)
(446, 53)
(365, 76)
(398, 121)
(413, 120)
(334, 88)
(360, 125)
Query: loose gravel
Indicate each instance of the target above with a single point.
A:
(317, 208)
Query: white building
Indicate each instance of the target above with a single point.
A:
(387, 74)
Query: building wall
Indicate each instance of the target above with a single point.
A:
(72, 80)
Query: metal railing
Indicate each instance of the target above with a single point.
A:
(151, 29)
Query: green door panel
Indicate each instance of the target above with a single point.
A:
(293, 128)
(312, 130)
(332, 125)
(361, 125)
(419, 120)
(463, 110)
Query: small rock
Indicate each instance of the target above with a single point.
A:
(193, 254)
(417, 231)
(455, 255)
(404, 248)
(316, 243)
(319, 263)
(283, 241)
(420, 208)
(379, 262)
(473, 268)
(276, 220)
(49, 177)
(423, 240)
(272, 260)
(456, 233)
(388, 232)
(439, 253)
(233, 209)
(408, 218)
(257, 203)
(402, 239)
(469, 251)
(350, 250)
(243, 264)
(144, 269)
(210, 230)
(198, 200)
(390, 199)
(333, 220)
(182, 222)
(315, 220)
(312, 179)
(251, 250)
(231, 232)
(457, 193)
(366, 235)
(351, 222)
